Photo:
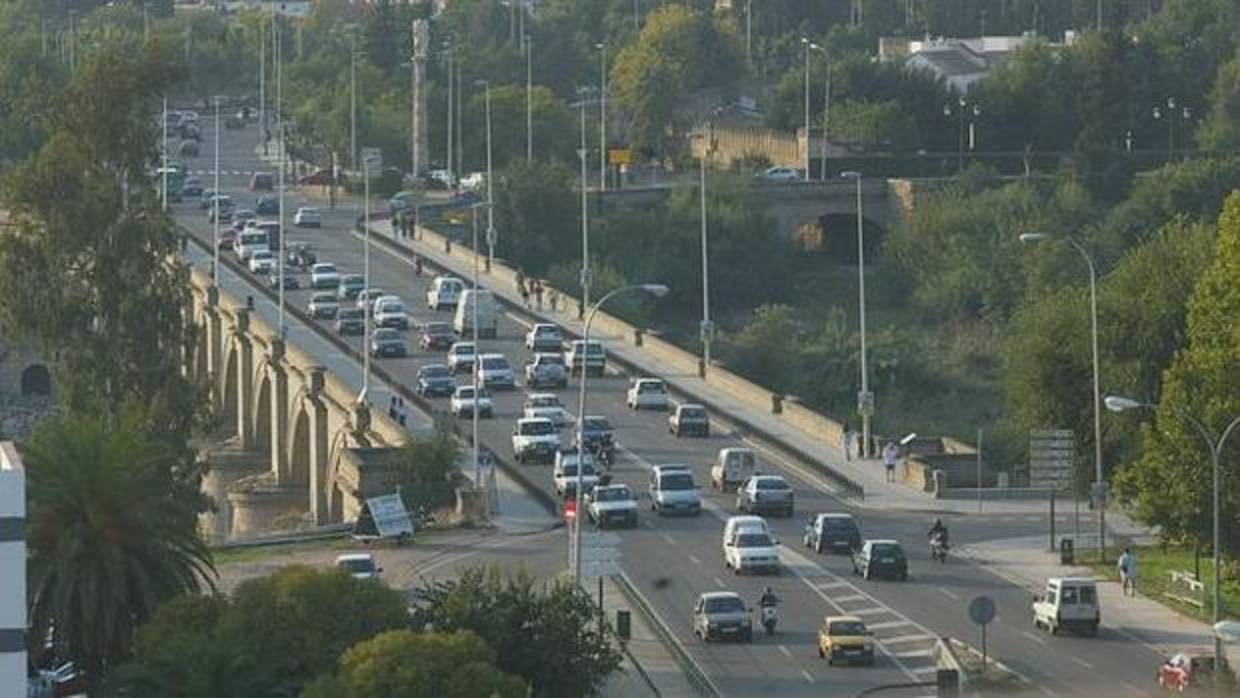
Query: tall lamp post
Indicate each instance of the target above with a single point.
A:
(808, 45)
(473, 321)
(602, 115)
(656, 290)
(529, 98)
(964, 109)
(1099, 493)
(707, 329)
(366, 279)
(486, 85)
(353, 97)
(215, 227)
(1116, 403)
(826, 105)
(865, 399)
(1184, 114)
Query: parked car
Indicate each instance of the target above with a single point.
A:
(324, 275)
(689, 420)
(832, 532)
(308, 217)
(765, 493)
(359, 565)
(647, 394)
(350, 321)
(464, 402)
(461, 357)
(881, 559)
(546, 370)
(535, 439)
(722, 615)
(435, 380)
(323, 306)
(547, 406)
(544, 336)
(612, 505)
(387, 342)
(437, 336)
(845, 639)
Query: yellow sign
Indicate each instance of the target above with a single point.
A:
(619, 156)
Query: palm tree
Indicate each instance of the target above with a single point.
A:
(108, 540)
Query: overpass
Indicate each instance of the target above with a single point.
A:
(292, 439)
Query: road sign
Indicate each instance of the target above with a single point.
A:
(1052, 456)
(982, 610)
(599, 554)
(865, 402)
(598, 539)
(619, 156)
(599, 569)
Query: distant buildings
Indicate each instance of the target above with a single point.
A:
(958, 62)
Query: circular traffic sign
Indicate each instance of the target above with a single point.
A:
(982, 610)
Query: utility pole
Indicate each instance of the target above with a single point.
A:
(707, 329)
(163, 171)
(262, 80)
(353, 98)
(529, 99)
(448, 164)
(749, 31)
(602, 109)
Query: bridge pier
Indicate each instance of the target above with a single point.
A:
(317, 449)
(227, 463)
(245, 382)
(214, 343)
(278, 412)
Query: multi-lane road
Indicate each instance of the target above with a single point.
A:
(672, 560)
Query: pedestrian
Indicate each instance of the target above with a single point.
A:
(890, 452)
(525, 295)
(538, 293)
(846, 441)
(553, 299)
(408, 226)
(520, 281)
(1127, 567)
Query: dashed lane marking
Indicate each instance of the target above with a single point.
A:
(694, 559)
(785, 651)
(808, 677)
(719, 583)
(907, 638)
(950, 593)
(1033, 637)
(874, 611)
(1082, 662)
(850, 597)
(667, 539)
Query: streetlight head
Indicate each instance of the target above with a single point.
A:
(804, 40)
(851, 174)
(1033, 237)
(1117, 403)
(656, 290)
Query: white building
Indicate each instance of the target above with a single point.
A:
(12, 572)
(958, 62)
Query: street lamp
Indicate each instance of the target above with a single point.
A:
(826, 104)
(808, 45)
(486, 85)
(583, 153)
(529, 98)
(749, 32)
(865, 399)
(1099, 484)
(707, 329)
(964, 109)
(353, 96)
(602, 110)
(215, 230)
(1184, 113)
(477, 352)
(361, 398)
(278, 61)
(656, 290)
(1116, 403)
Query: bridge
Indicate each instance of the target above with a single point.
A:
(292, 439)
(819, 215)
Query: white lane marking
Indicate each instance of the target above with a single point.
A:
(1082, 662)
(693, 558)
(834, 585)
(667, 539)
(807, 676)
(906, 638)
(926, 670)
(787, 653)
(873, 611)
(891, 624)
(1047, 691)
(719, 583)
(950, 593)
(913, 654)
(850, 597)
(1033, 637)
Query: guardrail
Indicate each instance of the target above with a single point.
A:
(701, 682)
(848, 487)
(995, 493)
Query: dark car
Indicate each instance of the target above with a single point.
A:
(267, 206)
(191, 187)
(387, 342)
(464, 198)
(437, 335)
(835, 533)
(290, 282)
(301, 255)
(598, 435)
(882, 559)
(262, 181)
(350, 321)
(435, 380)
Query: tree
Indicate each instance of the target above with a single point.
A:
(883, 124)
(418, 665)
(536, 215)
(766, 350)
(528, 629)
(1171, 482)
(1221, 130)
(553, 124)
(428, 470)
(108, 543)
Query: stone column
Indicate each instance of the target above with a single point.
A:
(279, 412)
(215, 348)
(320, 480)
(245, 380)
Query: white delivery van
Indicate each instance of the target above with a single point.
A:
(444, 292)
(487, 313)
(1069, 603)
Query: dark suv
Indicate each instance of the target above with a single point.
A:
(835, 533)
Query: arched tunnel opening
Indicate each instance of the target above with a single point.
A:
(834, 237)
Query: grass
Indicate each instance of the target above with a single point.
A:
(234, 555)
(1154, 568)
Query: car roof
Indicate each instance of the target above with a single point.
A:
(349, 557)
(669, 467)
(546, 325)
(533, 396)
(883, 541)
(1071, 580)
(843, 619)
(707, 595)
(530, 420)
(691, 406)
(742, 519)
(834, 515)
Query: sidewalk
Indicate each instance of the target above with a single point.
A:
(1026, 562)
(655, 664)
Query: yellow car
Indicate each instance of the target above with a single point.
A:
(845, 639)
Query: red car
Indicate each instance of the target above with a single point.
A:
(227, 239)
(1184, 671)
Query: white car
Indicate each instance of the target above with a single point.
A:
(612, 505)
(474, 181)
(461, 357)
(366, 298)
(564, 477)
(495, 372)
(779, 174)
(262, 262)
(546, 406)
(323, 306)
(444, 292)
(750, 549)
(463, 402)
(308, 217)
(544, 336)
(535, 439)
(358, 565)
(390, 312)
(324, 275)
(546, 370)
(647, 394)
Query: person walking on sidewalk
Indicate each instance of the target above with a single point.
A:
(538, 293)
(890, 452)
(1127, 567)
(553, 299)
(846, 441)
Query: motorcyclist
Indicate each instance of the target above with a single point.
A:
(768, 598)
(938, 531)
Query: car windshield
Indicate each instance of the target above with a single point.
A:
(544, 401)
(357, 566)
(386, 335)
(692, 413)
(837, 524)
(753, 540)
(847, 627)
(612, 494)
(261, 254)
(547, 331)
(772, 484)
(353, 280)
(537, 428)
(325, 269)
(888, 550)
(677, 481)
(570, 469)
(462, 349)
(725, 604)
(393, 307)
(309, 212)
(350, 314)
(324, 298)
(495, 364)
(436, 371)
(551, 359)
(438, 328)
(596, 424)
(650, 388)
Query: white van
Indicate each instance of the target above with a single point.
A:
(1068, 603)
(672, 490)
(732, 468)
(748, 545)
(487, 319)
(444, 292)
(252, 240)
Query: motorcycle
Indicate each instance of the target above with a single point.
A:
(938, 548)
(769, 619)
